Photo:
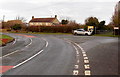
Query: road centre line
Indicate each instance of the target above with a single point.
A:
(28, 59)
(86, 61)
(87, 66)
(75, 72)
(29, 43)
(15, 50)
(84, 55)
(77, 52)
(76, 66)
(87, 72)
(85, 58)
(9, 54)
(46, 42)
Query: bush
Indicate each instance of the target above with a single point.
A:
(16, 27)
(53, 29)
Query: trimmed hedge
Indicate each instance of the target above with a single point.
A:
(53, 29)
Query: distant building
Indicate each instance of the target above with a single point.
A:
(0, 24)
(15, 21)
(44, 21)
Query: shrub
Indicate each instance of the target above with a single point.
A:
(16, 27)
(52, 29)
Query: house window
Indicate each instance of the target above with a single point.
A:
(40, 23)
(31, 24)
(37, 23)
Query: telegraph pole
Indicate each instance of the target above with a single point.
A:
(3, 21)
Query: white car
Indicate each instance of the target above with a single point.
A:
(81, 32)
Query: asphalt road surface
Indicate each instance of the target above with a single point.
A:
(39, 54)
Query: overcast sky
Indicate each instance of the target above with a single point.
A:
(77, 10)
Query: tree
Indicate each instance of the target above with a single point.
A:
(64, 22)
(116, 15)
(17, 27)
(92, 21)
(20, 18)
(101, 25)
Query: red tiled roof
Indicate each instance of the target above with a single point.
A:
(42, 19)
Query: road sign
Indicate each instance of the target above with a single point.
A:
(90, 28)
(116, 27)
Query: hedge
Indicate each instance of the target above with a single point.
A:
(53, 29)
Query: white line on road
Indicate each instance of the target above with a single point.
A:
(85, 58)
(9, 54)
(46, 44)
(78, 61)
(87, 66)
(14, 41)
(29, 43)
(84, 55)
(87, 72)
(28, 59)
(75, 72)
(76, 66)
(77, 52)
(86, 61)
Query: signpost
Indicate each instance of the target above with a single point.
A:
(116, 29)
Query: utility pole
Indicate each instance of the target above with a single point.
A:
(3, 21)
(3, 18)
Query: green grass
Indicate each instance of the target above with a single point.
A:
(39, 32)
(110, 34)
(5, 37)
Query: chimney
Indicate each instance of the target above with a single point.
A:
(55, 16)
(32, 17)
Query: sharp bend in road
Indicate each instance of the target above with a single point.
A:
(57, 57)
(34, 54)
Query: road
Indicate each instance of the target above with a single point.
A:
(33, 54)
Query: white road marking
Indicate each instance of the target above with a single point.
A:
(78, 61)
(87, 72)
(80, 47)
(76, 66)
(29, 43)
(86, 61)
(14, 41)
(84, 55)
(28, 59)
(75, 72)
(84, 52)
(87, 66)
(46, 43)
(85, 58)
(77, 52)
(9, 54)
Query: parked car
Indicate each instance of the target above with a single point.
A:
(81, 32)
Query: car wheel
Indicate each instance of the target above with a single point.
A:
(75, 33)
(86, 34)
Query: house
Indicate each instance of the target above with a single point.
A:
(0, 24)
(44, 21)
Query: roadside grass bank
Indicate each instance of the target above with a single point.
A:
(110, 34)
(4, 39)
(39, 32)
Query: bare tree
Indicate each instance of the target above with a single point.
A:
(20, 18)
(116, 16)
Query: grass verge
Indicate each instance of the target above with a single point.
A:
(4, 39)
(110, 34)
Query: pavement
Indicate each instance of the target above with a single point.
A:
(42, 54)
